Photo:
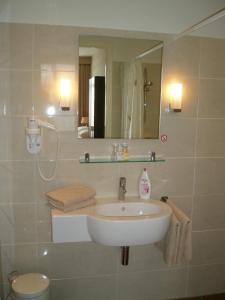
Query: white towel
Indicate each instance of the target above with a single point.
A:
(178, 244)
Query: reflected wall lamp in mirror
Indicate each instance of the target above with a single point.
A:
(119, 87)
(175, 97)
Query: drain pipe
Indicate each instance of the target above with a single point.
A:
(125, 255)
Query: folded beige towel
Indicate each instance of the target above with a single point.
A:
(172, 241)
(71, 197)
(61, 206)
(178, 245)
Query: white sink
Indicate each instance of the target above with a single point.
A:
(129, 223)
(127, 209)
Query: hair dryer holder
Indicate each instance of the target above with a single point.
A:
(33, 139)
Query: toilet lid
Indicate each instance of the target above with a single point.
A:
(31, 284)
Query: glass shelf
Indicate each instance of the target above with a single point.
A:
(107, 160)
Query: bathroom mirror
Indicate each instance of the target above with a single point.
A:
(119, 92)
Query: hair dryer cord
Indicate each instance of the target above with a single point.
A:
(50, 178)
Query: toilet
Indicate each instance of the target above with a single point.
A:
(32, 286)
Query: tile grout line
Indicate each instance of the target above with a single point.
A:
(33, 158)
(195, 167)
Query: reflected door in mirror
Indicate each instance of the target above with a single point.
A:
(97, 107)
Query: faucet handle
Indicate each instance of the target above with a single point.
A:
(122, 188)
(164, 199)
(122, 181)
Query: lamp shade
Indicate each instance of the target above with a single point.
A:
(176, 90)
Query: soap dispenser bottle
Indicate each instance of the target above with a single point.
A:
(144, 186)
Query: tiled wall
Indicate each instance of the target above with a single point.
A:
(193, 174)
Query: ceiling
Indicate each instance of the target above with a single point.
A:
(160, 16)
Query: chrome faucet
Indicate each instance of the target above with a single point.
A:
(122, 188)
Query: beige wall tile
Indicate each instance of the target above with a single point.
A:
(55, 47)
(5, 290)
(22, 181)
(43, 212)
(181, 57)
(1, 290)
(98, 147)
(92, 174)
(206, 280)
(166, 284)
(4, 92)
(100, 288)
(44, 232)
(208, 212)
(181, 136)
(1, 281)
(211, 137)
(143, 147)
(4, 133)
(172, 178)
(6, 227)
(71, 147)
(5, 181)
(212, 58)
(57, 261)
(16, 46)
(211, 98)
(210, 176)
(79, 260)
(95, 176)
(22, 218)
(208, 247)
(17, 181)
(16, 92)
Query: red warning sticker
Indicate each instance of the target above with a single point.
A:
(164, 138)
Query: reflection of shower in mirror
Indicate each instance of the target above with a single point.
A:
(147, 88)
(132, 86)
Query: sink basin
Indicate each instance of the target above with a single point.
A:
(127, 209)
(129, 223)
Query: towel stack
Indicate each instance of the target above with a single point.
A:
(178, 242)
(71, 197)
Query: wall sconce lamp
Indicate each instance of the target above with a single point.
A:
(65, 94)
(175, 94)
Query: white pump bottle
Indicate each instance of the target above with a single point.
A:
(144, 186)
